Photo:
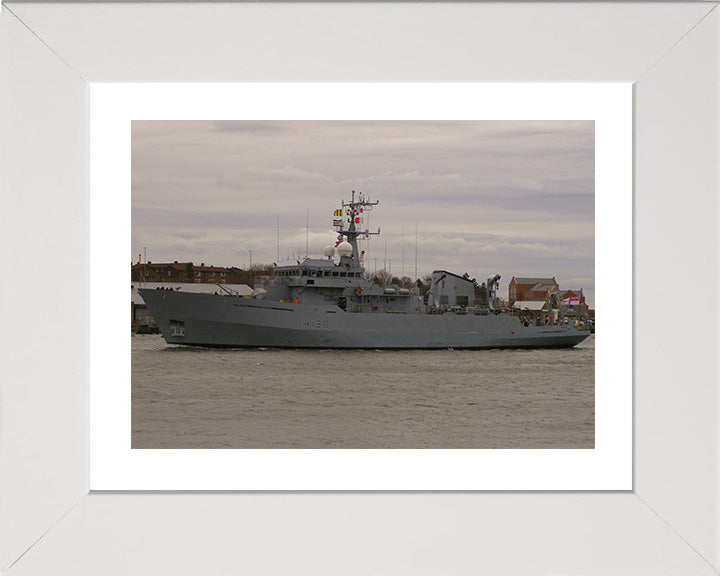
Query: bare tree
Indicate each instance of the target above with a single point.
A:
(381, 278)
(406, 282)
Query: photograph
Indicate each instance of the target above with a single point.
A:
(302, 284)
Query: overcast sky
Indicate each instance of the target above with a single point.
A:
(509, 197)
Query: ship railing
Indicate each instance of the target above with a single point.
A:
(228, 291)
(477, 310)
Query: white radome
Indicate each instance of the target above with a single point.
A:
(344, 249)
(329, 251)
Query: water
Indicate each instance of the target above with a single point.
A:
(267, 398)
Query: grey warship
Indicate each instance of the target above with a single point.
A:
(329, 303)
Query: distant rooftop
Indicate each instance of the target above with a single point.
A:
(533, 281)
(543, 286)
(183, 266)
(529, 304)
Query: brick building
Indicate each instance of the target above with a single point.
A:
(187, 272)
(574, 301)
(530, 288)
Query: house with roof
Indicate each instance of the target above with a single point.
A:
(533, 311)
(530, 289)
(187, 272)
(574, 302)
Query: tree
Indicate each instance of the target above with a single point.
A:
(481, 294)
(381, 278)
(424, 284)
(406, 282)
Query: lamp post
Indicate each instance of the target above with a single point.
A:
(250, 251)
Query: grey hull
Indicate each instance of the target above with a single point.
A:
(230, 321)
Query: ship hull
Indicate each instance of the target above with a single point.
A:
(230, 321)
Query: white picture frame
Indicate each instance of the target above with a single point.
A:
(668, 524)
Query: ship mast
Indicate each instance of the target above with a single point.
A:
(355, 210)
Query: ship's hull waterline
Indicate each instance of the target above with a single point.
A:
(230, 321)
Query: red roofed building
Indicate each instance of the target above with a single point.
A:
(574, 301)
(530, 288)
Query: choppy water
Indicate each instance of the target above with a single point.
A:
(267, 398)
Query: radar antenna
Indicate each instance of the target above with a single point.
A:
(354, 211)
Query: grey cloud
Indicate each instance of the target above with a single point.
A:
(251, 127)
(509, 197)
